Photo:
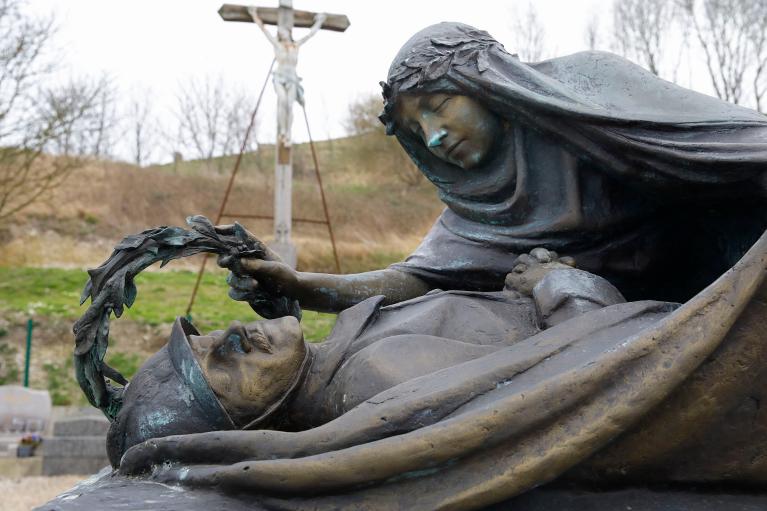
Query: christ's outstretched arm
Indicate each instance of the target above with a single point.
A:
(258, 21)
(319, 19)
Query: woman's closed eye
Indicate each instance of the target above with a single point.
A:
(442, 104)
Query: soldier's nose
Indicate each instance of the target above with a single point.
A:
(436, 138)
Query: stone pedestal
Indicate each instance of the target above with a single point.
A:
(78, 446)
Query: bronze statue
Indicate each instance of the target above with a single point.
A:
(657, 189)
(263, 375)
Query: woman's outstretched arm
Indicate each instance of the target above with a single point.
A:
(321, 291)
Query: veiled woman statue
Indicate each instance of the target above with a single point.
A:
(657, 189)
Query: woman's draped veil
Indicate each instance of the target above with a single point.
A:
(626, 121)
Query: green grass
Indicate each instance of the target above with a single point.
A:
(162, 296)
(9, 371)
(62, 385)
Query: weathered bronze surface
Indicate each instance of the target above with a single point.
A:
(468, 397)
(263, 374)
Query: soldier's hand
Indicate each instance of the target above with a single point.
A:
(530, 269)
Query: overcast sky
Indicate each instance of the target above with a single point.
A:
(155, 45)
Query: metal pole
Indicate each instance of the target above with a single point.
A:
(322, 194)
(286, 86)
(30, 325)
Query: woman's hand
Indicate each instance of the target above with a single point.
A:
(250, 276)
(268, 285)
(272, 276)
(266, 304)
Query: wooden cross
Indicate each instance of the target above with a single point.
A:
(287, 84)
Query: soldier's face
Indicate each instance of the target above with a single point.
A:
(253, 369)
(455, 128)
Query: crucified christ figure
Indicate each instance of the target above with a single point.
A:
(286, 81)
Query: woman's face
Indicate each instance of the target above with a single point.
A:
(454, 128)
(250, 367)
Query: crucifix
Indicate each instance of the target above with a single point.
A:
(287, 84)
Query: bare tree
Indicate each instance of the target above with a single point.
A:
(76, 120)
(529, 34)
(142, 127)
(238, 117)
(200, 116)
(211, 119)
(104, 121)
(591, 33)
(641, 30)
(45, 131)
(758, 40)
(373, 146)
(732, 36)
(362, 115)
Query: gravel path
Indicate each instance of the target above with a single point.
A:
(27, 492)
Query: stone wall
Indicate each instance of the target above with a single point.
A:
(78, 446)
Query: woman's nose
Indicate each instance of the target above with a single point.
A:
(436, 137)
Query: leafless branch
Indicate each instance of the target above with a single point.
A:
(378, 150)
(530, 36)
(591, 33)
(143, 128)
(641, 29)
(732, 34)
(211, 119)
(45, 131)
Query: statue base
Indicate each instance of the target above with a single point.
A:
(107, 492)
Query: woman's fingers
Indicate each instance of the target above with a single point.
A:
(247, 284)
(226, 229)
(232, 262)
(241, 289)
(230, 230)
(240, 296)
(272, 276)
(264, 270)
(225, 260)
(256, 266)
(249, 276)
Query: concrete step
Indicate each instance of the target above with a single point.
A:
(74, 447)
(81, 426)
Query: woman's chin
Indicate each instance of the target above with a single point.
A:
(470, 161)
